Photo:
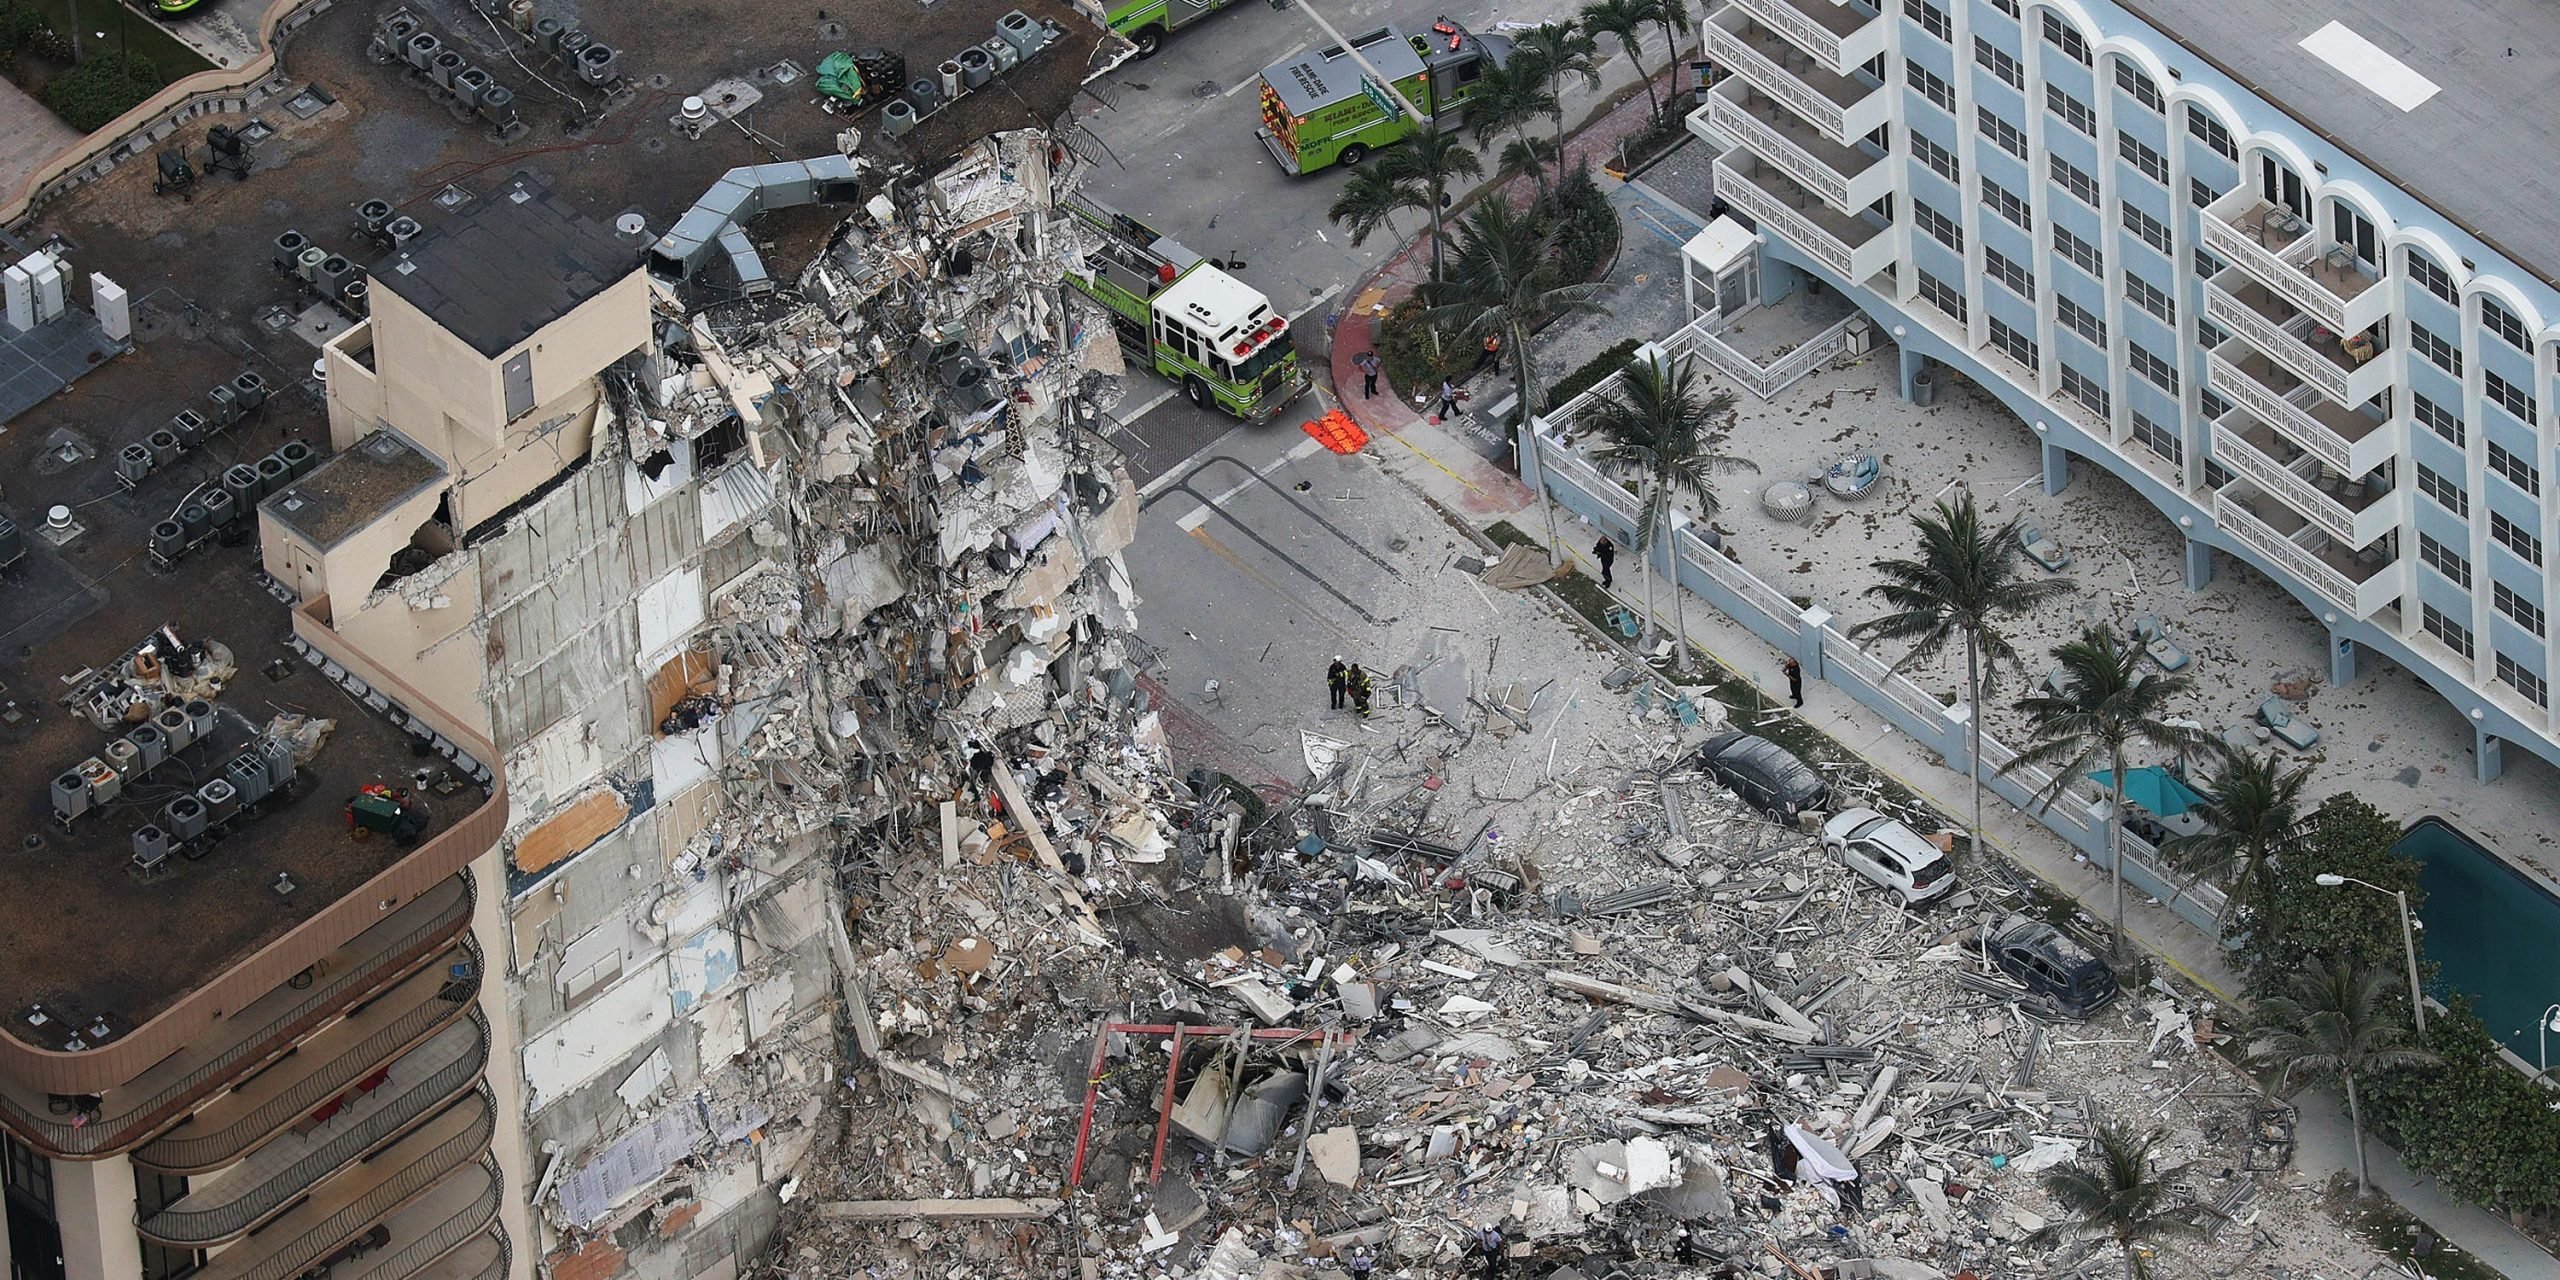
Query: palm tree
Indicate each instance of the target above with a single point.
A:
(1674, 20)
(2114, 1193)
(1503, 280)
(1663, 427)
(1507, 98)
(1529, 155)
(1371, 199)
(1963, 583)
(1426, 165)
(2331, 1023)
(1560, 51)
(1626, 19)
(2108, 703)
(2253, 812)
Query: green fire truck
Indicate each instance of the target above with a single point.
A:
(1148, 22)
(1320, 109)
(1180, 315)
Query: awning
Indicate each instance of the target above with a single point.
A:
(2155, 789)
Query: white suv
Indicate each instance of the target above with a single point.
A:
(1891, 854)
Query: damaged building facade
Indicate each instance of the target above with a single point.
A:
(663, 611)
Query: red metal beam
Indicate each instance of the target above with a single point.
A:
(1172, 1075)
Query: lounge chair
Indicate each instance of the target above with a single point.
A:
(2157, 643)
(1853, 477)
(2289, 729)
(2041, 548)
(2238, 738)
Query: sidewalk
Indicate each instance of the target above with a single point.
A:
(2324, 1145)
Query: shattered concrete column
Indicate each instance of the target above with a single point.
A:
(2057, 462)
(1808, 654)
(2342, 655)
(2199, 564)
(93, 1202)
(2488, 750)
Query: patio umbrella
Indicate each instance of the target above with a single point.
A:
(2155, 789)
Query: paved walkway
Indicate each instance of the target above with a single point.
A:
(29, 136)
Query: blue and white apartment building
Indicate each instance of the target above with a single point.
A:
(2286, 267)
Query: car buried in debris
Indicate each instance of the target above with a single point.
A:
(1891, 855)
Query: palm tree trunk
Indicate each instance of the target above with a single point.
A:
(1646, 534)
(1436, 202)
(1679, 611)
(2115, 853)
(2355, 1125)
(1973, 727)
(1635, 56)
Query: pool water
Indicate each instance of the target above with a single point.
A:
(2490, 930)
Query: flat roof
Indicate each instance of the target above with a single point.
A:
(1320, 77)
(352, 489)
(511, 262)
(2481, 148)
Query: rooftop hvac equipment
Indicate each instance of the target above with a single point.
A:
(221, 801)
(150, 847)
(241, 482)
(133, 462)
(546, 34)
(271, 474)
(926, 94)
(599, 64)
(446, 66)
(1022, 33)
(357, 294)
(175, 729)
(897, 117)
(279, 758)
(218, 506)
(331, 276)
(498, 107)
(168, 540)
(70, 795)
(307, 263)
(421, 50)
(123, 757)
(468, 84)
(297, 458)
(949, 74)
(13, 544)
(247, 773)
(573, 45)
(200, 713)
(1003, 52)
(372, 216)
(976, 68)
(190, 427)
(403, 228)
(163, 445)
(251, 387)
(289, 247)
(193, 523)
(222, 405)
(185, 817)
(105, 784)
(153, 744)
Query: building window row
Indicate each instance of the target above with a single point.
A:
(2020, 347)
(2513, 674)
(1938, 158)
(2506, 324)
(2160, 373)
(2507, 395)
(2082, 254)
(2004, 135)
(2210, 335)
(2435, 484)
(2445, 560)
(2009, 7)
(2085, 389)
(2140, 155)
(1931, 85)
(2431, 277)
(2158, 439)
(2080, 320)
(2061, 35)
(2143, 294)
(2524, 613)
(2072, 111)
(1945, 297)
(2001, 267)
(2130, 79)
(1931, 18)
(2008, 205)
(2210, 132)
(1941, 228)
(2075, 180)
(2212, 406)
(2518, 471)
(2150, 230)
(2439, 419)
(2440, 353)
(2437, 623)
(2513, 537)
(1999, 63)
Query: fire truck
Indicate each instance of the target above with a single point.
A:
(1180, 315)
(1320, 109)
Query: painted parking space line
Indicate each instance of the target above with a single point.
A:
(1199, 515)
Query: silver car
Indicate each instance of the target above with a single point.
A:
(1890, 854)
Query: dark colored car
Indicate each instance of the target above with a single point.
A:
(2052, 965)
(1767, 776)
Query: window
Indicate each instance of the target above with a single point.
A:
(2506, 395)
(2512, 674)
(2497, 319)
(2216, 475)
(2160, 373)
(2524, 613)
(2438, 418)
(2082, 254)
(2442, 354)
(2020, 347)
(2200, 193)
(2207, 265)
(2513, 537)
(2073, 111)
(1931, 18)
(2211, 406)
(2447, 494)
(2080, 320)
(2424, 270)
(2210, 132)
(2062, 36)
(2434, 622)
(517, 373)
(2006, 203)
(27, 1173)
(2353, 229)
(2072, 179)
(1936, 157)
(1940, 227)
(2148, 229)
(2085, 389)
(2445, 560)
(1998, 63)
(2141, 293)
(2515, 469)
(2130, 79)
(153, 1192)
(2210, 335)
(2009, 7)
(2139, 154)
(2158, 439)
(1999, 266)
(1930, 84)
(2003, 134)
(1945, 297)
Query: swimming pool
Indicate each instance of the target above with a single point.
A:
(2490, 930)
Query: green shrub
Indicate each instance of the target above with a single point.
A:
(1417, 354)
(20, 28)
(2307, 925)
(2472, 1121)
(1585, 226)
(1593, 371)
(90, 96)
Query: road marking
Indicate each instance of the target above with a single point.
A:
(1444, 469)
(1223, 552)
(1199, 515)
(1256, 78)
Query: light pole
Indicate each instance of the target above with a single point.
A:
(2542, 1030)
(2408, 939)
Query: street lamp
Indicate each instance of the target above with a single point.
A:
(2408, 938)
(2542, 1035)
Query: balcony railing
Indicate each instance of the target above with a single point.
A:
(2342, 437)
(1848, 245)
(1850, 179)
(223, 1211)
(425, 925)
(484, 1258)
(407, 1015)
(1839, 37)
(2359, 584)
(2349, 512)
(1846, 107)
(476, 1195)
(2281, 250)
(2314, 354)
(337, 1214)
